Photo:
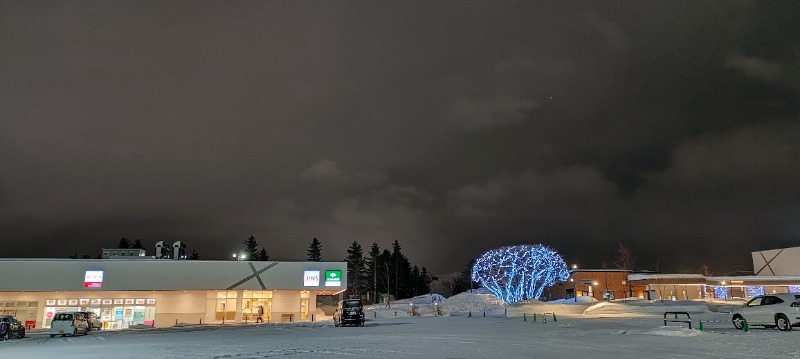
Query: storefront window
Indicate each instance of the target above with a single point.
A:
(226, 305)
(113, 313)
(252, 301)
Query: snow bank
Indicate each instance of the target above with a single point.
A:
(534, 306)
(646, 307)
(665, 332)
(475, 301)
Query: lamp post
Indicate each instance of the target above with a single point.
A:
(240, 257)
(574, 282)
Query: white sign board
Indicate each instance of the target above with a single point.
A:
(311, 278)
(93, 279)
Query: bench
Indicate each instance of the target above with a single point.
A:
(675, 319)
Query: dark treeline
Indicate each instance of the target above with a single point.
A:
(380, 274)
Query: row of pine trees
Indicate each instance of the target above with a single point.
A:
(384, 273)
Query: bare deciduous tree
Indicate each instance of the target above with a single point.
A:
(449, 282)
(705, 270)
(625, 259)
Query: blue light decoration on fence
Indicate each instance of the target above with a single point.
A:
(721, 292)
(754, 291)
(794, 289)
(516, 273)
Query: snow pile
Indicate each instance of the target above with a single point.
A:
(476, 301)
(531, 307)
(423, 299)
(645, 307)
(583, 299)
(668, 332)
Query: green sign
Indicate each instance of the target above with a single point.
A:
(333, 278)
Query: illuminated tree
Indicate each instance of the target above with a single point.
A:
(522, 272)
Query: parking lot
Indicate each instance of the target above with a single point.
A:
(422, 337)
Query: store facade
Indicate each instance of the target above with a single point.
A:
(161, 293)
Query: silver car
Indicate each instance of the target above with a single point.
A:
(772, 310)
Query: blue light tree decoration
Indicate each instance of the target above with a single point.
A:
(521, 272)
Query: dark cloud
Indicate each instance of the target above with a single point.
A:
(453, 127)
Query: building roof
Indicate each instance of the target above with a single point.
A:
(36, 274)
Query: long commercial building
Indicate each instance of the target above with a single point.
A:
(126, 292)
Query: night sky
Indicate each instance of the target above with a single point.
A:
(454, 127)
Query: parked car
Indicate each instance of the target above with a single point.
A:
(91, 319)
(349, 311)
(773, 310)
(10, 327)
(69, 324)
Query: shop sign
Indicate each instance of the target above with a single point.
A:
(108, 301)
(119, 301)
(50, 302)
(129, 301)
(333, 278)
(84, 301)
(151, 301)
(62, 302)
(139, 301)
(95, 301)
(49, 314)
(73, 302)
(93, 279)
(311, 278)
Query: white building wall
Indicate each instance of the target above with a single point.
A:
(777, 262)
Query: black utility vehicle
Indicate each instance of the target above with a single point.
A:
(10, 327)
(349, 311)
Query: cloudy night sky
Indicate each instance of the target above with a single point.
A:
(453, 127)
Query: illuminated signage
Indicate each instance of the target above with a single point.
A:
(93, 279)
(311, 278)
(333, 278)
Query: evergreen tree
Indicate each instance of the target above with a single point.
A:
(372, 272)
(415, 279)
(401, 272)
(194, 256)
(355, 270)
(385, 270)
(263, 255)
(251, 249)
(424, 285)
(85, 256)
(137, 244)
(314, 251)
(124, 243)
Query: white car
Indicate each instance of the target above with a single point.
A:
(68, 324)
(773, 310)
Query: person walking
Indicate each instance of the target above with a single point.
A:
(260, 318)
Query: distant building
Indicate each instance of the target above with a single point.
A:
(602, 284)
(116, 253)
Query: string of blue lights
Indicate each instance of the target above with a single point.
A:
(516, 273)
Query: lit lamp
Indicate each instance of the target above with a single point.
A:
(574, 281)
(240, 257)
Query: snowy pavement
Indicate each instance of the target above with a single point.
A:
(426, 337)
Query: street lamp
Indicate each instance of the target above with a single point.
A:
(240, 256)
(574, 282)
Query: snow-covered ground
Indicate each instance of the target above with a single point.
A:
(620, 330)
